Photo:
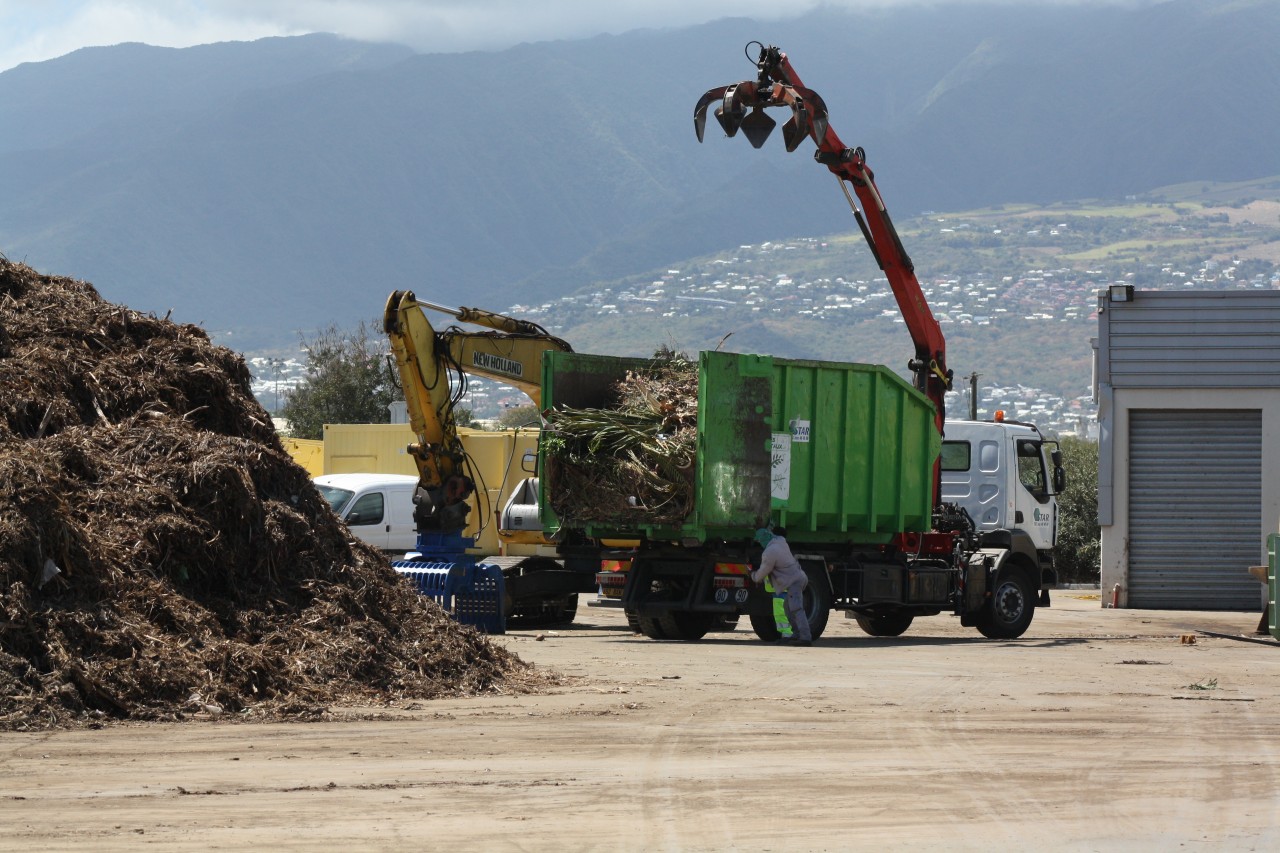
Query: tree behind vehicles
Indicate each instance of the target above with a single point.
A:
(1079, 536)
(347, 382)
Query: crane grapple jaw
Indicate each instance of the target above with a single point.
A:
(742, 107)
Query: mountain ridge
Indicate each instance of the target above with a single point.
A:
(309, 176)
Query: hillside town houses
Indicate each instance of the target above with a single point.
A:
(750, 283)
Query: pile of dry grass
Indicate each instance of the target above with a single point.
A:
(630, 464)
(162, 555)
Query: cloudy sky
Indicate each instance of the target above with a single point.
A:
(34, 30)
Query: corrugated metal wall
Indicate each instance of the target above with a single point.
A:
(1228, 339)
(1195, 508)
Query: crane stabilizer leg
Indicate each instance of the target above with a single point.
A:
(808, 110)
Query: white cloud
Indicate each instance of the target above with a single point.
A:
(33, 30)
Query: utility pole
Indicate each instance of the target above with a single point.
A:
(276, 366)
(973, 396)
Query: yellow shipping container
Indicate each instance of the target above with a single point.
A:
(497, 458)
(368, 449)
(307, 452)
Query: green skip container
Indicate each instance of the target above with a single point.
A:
(833, 451)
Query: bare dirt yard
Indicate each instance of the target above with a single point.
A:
(1098, 730)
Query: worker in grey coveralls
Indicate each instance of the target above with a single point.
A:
(778, 564)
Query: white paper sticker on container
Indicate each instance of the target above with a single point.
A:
(799, 431)
(780, 469)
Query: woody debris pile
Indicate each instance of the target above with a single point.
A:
(162, 556)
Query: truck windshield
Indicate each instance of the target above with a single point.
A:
(336, 497)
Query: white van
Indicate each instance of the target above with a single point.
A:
(376, 507)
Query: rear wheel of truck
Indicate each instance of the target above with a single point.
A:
(687, 625)
(884, 624)
(817, 598)
(633, 621)
(761, 616)
(1008, 613)
(676, 625)
(651, 627)
(817, 607)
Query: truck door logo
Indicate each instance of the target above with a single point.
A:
(497, 364)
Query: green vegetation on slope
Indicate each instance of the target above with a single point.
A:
(1014, 287)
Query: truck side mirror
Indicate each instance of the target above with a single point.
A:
(1059, 473)
(529, 462)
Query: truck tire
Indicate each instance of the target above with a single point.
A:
(1008, 613)
(676, 625)
(652, 627)
(687, 625)
(633, 621)
(761, 615)
(885, 624)
(817, 599)
(817, 607)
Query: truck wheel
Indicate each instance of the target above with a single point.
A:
(884, 624)
(761, 616)
(652, 627)
(1008, 614)
(817, 607)
(687, 625)
(817, 599)
(633, 621)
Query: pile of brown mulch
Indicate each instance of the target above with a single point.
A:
(630, 464)
(162, 556)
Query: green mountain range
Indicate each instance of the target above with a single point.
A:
(270, 188)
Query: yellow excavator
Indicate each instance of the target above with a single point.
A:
(433, 366)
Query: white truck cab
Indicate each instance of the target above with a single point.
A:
(1006, 475)
(378, 508)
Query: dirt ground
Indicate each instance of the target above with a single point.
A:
(1098, 730)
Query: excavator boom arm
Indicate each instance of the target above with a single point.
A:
(426, 359)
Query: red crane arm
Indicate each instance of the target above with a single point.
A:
(778, 85)
(849, 164)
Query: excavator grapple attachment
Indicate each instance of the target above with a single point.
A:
(742, 107)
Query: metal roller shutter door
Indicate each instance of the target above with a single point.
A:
(1195, 509)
